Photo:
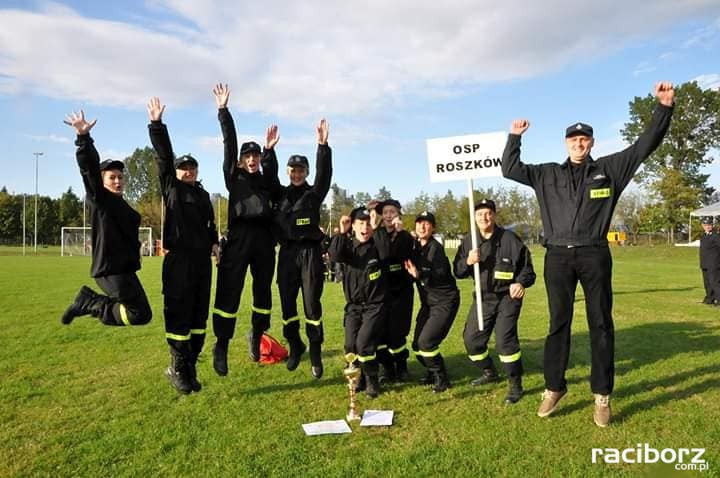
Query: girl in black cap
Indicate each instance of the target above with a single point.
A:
(189, 236)
(300, 263)
(250, 242)
(115, 244)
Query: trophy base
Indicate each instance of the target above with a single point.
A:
(353, 416)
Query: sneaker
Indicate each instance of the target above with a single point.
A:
(602, 414)
(549, 403)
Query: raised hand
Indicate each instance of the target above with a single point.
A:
(345, 224)
(272, 136)
(77, 121)
(322, 131)
(222, 94)
(665, 93)
(155, 109)
(398, 224)
(519, 126)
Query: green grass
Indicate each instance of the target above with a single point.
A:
(88, 400)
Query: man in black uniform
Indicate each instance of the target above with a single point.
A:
(577, 199)
(439, 298)
(506, 270)
(365, 287)
(250, 242)
(115, 244)
(189, 236)
(300, 261)
(392, 350)
(710, 261)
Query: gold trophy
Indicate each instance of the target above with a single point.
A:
(352, 374)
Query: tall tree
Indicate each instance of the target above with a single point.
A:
(142, 180)
(70, 209)
(383, 194)
(673, 171)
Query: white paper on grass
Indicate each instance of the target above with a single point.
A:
(326, 427)
(377, 418)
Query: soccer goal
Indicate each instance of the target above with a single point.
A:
(77, 241)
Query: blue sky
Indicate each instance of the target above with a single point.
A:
(386, 75)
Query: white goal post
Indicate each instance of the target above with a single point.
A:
(77, 241)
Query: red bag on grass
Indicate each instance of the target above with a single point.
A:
(271, 351)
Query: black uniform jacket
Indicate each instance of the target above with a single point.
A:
(298, 207)
(401, 246)
(580, 216)
(504, 259)
(189, 216)
(435, 282)
(365, 279)
(250, 194)
(710, 251)
(115, 244)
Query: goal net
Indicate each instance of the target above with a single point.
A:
(77, 241)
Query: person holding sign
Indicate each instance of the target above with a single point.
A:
(439, 298)
(506, 270)
(365, 288)
(577, 199)
(300, 261)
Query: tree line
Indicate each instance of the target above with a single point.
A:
(669, 186)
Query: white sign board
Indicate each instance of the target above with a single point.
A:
(466, 157)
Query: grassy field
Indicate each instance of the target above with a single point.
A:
(88, 400)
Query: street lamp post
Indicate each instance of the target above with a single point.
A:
(36, 196)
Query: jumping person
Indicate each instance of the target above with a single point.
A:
(300, 260)
(439, 299)
(365, 288)
(506, 270)
(250, 242)
(189, 236)
(392, 349)
(115, 244)
(577, 199)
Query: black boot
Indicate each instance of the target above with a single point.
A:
(297, 348)
(220, 352)
(515, 390)
(316, 365)
(254, 344)
(387, 372)
(86, 302)
(401, 369)
(362, 384)
(373, 386)
(489, 375)
(178, 372)
(441, 382)
(428, 379)
(192, 375)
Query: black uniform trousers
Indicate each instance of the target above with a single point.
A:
(126, 302)
(398, 320)
(432, 325)
(300, 267)
(564, 267)
(363, 325)
(251, 245)
(186, 279)
(500, 313)
(711, 281)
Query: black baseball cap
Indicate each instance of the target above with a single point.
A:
(707, 220)
(250, 147)
(298, 160)
(579, 129)
(426, 216)
(185, 158)
(388, 202)
(360, 213)
(487, 204)
(112, 164)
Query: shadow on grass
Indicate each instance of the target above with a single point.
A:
(580, 297)
(635, 347)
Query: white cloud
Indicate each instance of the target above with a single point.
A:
(299, 59)
(52, 138)
(709, 81)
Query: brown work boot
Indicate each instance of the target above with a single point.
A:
(549, 403)
(602, 414)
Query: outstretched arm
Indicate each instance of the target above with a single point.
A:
(227, 126)
(269, 161)
(87, 156)
(160, 140)
(512, 167)
(323, 161)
